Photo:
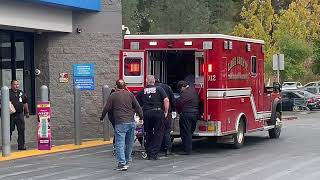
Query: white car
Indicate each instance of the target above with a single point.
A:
(291, 85)
(313, 87)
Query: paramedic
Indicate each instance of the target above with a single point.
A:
(19, 100)
(188, 108)
(155, 105)
(166, 142)
(123, 105)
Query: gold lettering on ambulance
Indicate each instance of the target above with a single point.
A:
(237, 61)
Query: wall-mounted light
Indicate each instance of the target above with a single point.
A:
(188, 43)
(153, 43)
(126, 29)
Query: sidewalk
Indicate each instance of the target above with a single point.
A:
(55, 149)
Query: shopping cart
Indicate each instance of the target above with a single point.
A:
(140, 137)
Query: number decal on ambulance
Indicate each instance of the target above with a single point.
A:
(212, 77)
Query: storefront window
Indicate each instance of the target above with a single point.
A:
(16, 62)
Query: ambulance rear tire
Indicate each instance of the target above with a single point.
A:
(276, 131)
(238, 138)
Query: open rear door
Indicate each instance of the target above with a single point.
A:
(201, 81)
(132, 68)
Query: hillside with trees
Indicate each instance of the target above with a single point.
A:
(290, 27)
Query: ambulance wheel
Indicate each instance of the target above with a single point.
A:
(238, 138)
(276, 131)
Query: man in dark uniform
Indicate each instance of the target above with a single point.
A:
(155, 105)
(166, 142)
(188, 108)
(20, 103)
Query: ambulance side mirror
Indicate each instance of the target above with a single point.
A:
(276, 87)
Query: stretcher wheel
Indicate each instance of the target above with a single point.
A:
(144, 155)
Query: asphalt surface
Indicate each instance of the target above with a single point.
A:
(295, 156)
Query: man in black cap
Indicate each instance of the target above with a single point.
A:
(155, 105)
(166, 142)
(188, 108)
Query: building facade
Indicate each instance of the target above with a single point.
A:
(52, 36)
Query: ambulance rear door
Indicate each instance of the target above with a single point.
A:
(132, 68)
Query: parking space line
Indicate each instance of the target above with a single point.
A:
(291, 170)
(52, 174)
(26, 171)
(87, 154)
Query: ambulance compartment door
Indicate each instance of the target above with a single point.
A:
(157, 65)
(132, 66)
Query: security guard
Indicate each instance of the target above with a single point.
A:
(188, 108)
(166, 142)
(155, 105)
(20, 103)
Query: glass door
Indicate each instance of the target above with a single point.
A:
(16, 62)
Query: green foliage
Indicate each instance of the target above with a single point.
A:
(291, 27)
(183, 16)
(296, 52)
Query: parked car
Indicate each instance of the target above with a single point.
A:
(291, 85)
(313, 87)
(295, 99)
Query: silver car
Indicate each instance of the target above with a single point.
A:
(313, 87)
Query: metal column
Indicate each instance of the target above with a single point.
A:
(106, 127)
(44, 93)
(5, 122)
(77, 115)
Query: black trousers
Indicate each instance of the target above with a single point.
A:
(187, 124)
(154, 129)
(166, 142)
(17, 119)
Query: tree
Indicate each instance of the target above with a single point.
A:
(257, 21)
(183, 16)
(295, 32)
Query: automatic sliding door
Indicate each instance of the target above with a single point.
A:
(16, 62)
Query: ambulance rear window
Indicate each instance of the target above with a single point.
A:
(132, 66)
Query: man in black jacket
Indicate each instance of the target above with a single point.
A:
(166, 142)
(188, 108)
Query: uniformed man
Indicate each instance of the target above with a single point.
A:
(155, 105)
(188, 108)
(20, 103)
(166, 142)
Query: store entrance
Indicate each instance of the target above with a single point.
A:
(16, 61)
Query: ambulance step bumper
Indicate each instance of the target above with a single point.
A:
(265, 128)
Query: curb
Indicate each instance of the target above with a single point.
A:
(289, 118)
(55, 149)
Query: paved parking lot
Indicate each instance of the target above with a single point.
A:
(294, 156)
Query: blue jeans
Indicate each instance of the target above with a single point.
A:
(124, 134)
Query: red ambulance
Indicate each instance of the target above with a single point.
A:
(228, 73)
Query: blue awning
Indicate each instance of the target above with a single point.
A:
(92, 5)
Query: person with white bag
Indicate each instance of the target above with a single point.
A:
(20, 103)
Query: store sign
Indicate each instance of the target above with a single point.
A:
(84, 83)
(84, 76)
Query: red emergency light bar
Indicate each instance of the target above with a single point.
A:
(134, 68)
